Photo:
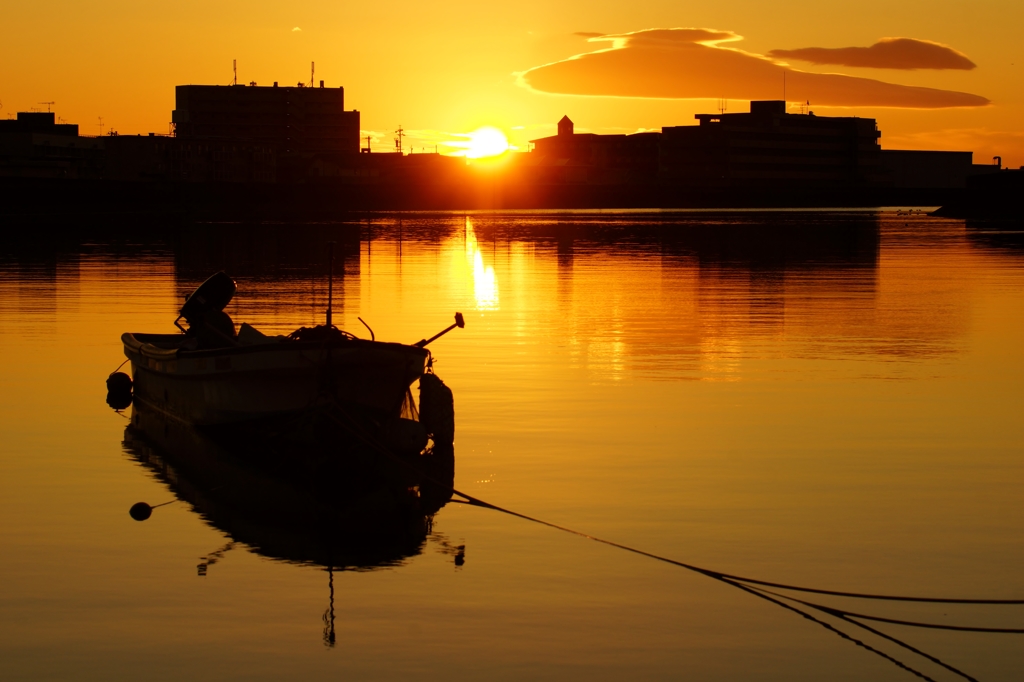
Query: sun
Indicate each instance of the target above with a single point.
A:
(483, 142)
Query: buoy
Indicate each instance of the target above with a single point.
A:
(140, 511)
(119, 382)
(119, 390)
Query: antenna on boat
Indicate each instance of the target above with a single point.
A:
(330, 283)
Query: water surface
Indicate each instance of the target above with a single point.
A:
(825, 399)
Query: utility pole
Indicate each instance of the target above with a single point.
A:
(234, 68)
(398, 140)
(312, 71)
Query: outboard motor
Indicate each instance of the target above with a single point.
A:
(204, 311)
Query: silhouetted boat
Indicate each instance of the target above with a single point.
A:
(277, 376)
(209, 375)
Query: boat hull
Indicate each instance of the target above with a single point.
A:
(237, 384)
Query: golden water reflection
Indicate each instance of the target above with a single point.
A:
(483, 280)
(826, 400)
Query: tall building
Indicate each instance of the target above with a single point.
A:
(295, 120)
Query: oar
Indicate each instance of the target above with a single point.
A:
(459, 322)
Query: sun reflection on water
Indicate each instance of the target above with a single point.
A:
(485, 284)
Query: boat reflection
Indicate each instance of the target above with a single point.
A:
(294, 492)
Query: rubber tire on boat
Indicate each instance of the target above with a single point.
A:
(437, 409)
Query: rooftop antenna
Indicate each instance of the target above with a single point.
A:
(722, 106)
(101, 125)
(367, 144)
(783, 85)
(398, 140)
(234, 67)
(48, 105)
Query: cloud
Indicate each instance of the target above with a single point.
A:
(693, 63)
(888, 53)
(296, 29)
(588, 34)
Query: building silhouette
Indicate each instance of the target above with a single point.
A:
(251, 148)
(38, 122)
(587, 157)
(769, 146)
(764, 149)
(290, 120)
(34, 145)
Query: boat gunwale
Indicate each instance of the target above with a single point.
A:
(132, 342)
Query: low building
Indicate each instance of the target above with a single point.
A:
(34, 145)
(160, 158)
(587, 157)
(920, 169)
(770, 147)
(43, 123)
(764, 148)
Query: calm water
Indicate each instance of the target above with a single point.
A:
(831, 400)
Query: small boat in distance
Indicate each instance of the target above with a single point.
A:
(211, 375)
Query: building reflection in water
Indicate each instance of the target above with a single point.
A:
(1003, 237)
(692, 294)
(293, 257)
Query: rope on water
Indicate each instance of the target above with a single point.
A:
(750, 585)
(831, 628)
(357, 430)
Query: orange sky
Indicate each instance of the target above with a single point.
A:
(459, 65)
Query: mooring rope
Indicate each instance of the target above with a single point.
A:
(719, 575)
(831, 628)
